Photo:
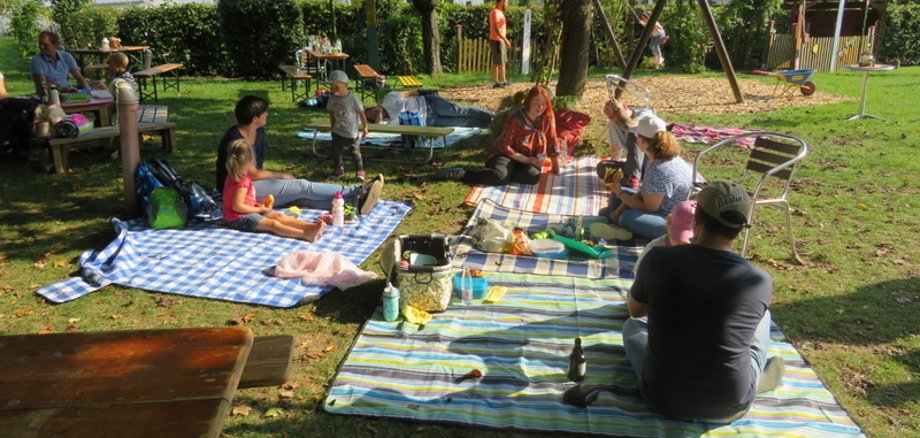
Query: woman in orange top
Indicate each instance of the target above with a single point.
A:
(498, 42)
(517, 156)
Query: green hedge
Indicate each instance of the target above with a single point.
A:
(259, 34)
(87, 26)
(24, 25)
(188, 34)
(901, 38)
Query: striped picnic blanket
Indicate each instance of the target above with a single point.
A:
(211, 261)
(620, 264)
(521, 346)
(576, 190)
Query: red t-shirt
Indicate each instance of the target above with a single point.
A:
(525, 137)
(230, 187)
(496, 23)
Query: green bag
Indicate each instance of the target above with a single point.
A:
(166, 209)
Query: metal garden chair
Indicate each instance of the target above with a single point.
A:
(773, 156)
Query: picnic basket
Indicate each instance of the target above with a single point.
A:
(425, 283)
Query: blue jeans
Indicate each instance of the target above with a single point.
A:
(305, 193)
(635, 343)
(646, 225)
(442, 112)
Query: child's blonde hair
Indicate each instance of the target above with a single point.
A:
(119, 60)
(239, 155)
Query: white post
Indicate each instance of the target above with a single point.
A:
(525, 48)
(834, 54)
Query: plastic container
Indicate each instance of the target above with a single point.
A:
(574, 245)
(479, 286)
(548, 248)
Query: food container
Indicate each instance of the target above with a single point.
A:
(479, 285)
(548, 248)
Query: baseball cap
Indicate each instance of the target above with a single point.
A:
(650, 125)
(726, 202)
(681, 228)
(337, 76)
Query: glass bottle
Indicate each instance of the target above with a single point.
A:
(578, 366)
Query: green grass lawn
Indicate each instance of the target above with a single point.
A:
(852, 311)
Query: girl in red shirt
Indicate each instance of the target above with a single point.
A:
(242, 211)
(517, 156)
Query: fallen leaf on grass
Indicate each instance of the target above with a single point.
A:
(45, 331)
(241, 410)
(7, 288)
(20, 313)
(162, 301)
(286, 394)
(40, 264)
(329, 348)
(305, 315)
(59, 264)
(73, 320)
(290, 385)
(272, 413)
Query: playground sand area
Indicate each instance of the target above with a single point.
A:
(670, 95)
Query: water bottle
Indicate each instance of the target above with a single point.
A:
(602, 242)
(466, 286)
(54, 97)
(105, 44)
(148, 59)
(390, 303)
(338, 210)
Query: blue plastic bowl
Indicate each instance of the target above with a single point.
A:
(480, 286)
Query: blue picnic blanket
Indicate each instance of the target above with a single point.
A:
(621, 262)
(211, 261)
(521, 346)
(394, 140)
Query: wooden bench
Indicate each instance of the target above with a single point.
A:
(367, 75)
(291, 75)
(61, 147)
(159, 383)
(269, 362)
(409, 82)
(419, 131)
(153, 73)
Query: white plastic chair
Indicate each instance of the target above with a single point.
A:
(773, 155)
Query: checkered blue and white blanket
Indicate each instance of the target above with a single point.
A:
(211, 261)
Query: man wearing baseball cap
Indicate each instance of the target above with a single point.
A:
(699, 322)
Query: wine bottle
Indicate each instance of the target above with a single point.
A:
(577, 363)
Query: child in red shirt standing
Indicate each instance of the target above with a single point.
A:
(242, 211)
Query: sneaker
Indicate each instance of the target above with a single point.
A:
(370, 194)
(772, 374)
(451, 173)
(506, 84)
(360, 176)
(609, 232)
(337, 173)
(497, 85)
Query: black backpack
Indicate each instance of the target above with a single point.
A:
(16, 118)
(200, 205)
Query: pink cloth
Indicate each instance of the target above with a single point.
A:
(323, 268)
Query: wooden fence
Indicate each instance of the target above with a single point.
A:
(474, 55)
(816, 52)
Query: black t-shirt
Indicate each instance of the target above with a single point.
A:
(704, 306)
(258, 151)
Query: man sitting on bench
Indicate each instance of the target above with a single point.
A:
(433, 110)
(252, 115)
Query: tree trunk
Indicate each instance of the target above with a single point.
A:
(431, 38)
(576, 34)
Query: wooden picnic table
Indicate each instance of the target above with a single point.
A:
(156, 383)
(100, 107)
(337, 59)
(102, 54)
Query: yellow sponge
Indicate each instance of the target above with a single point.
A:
(415, 316)
(495, 294)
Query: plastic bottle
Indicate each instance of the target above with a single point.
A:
(338, 210)
(390, 303)
(601, 242)
(338, 46)
(54, 97)
(105, 44)
(148, 59)
(466, 283)
(578, 366)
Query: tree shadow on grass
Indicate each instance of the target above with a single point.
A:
(874, 315)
